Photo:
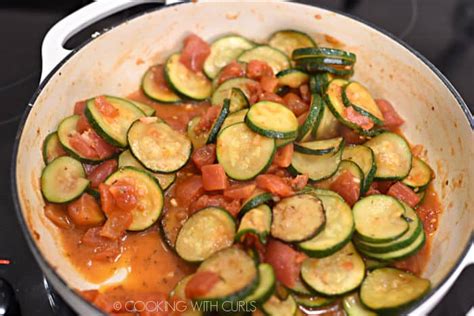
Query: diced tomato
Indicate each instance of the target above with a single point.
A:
(417, 150)
(214, 178)
(300, 181)
(382, 186)
(283, 156)
(57, 214)
(270, 96)
(255, 91)
(79, 144)
(275, 185)
(391, 118)
(217, 200)
(79, 107)
(106, 199)
(347, 187)
(350, 136)
(372, 190)
(302, 118)
(101, 147)
(115, 202)
(240, 191)
(85, 211)
(194, 53)
(201, 283)
(188, 189)
(232, 70)
(305, 93)
(105, 107)
(206, 121)
(205, 155)
(159, 78)
(256, 69)
(355, 117)
(116, 224)
(295, 103)
(404, 193)
(252, 241)
(285, 261)
(90, 145)
(268, 84)
(83, 124)
(101, 172)
(102, 248)
(124, 194)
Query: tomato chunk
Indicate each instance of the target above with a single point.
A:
(116, 225)
(85, 211)
(285, 261)
(57, 214)
(205, 155)
(101, 247)
(355, 117)
(124, 194)
(350, 136)
(214, 178)
(391, 118)
(118, 219)
(206, 121)
(295, 103)
(194, 53)
(201, 283)
(188, 189)
(255, 91)
(79, 107)
(404, 193)
(275, 185)
(283, 156)
(256, 69)
(300, 181)
(159, 77)
(268, 84)
(232, 70)
(83, 124)
(240, 191)
(305, 93)
(347, 187)
(101, 172)
(82, 146)
(105, 107)
(217, 200)
(270, 96)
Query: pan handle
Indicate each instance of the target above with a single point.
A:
(53, 51)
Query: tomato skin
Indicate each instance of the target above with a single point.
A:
(300, 181)
(232, 70)
(391, 118)
(269, 84)
(295, 103)
(346, 186)
(105, 107)
(79, 144)
(57, 214)
(256, 69)
(85, 211)
(79, 107)
(194, 53)
(240, 191)
(101, 172)
(214, 178)
(201, 283)
(217, 200)
(283, 156)
(355, 117)
(83, 124)
(188, 189)
(124, 194)
(275, 185)
(270, 96)
(285, 261)
(404, 193)
(350, 136)
(203, 156)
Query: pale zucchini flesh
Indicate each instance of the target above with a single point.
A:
(155, 92)
(289, 40)
(320, 147)
(179, 294)
(353, 306)
(356, 95)
(52, 148)
(216, 125)
(275, 58)
(272, 119)
(277, 307)
(266, 285)
(309, 301)
(257, 198)
(328, 125)
(145, 108)
(420, 175)
(364, 157)
(198, 140)
(292, 78)
(257, 221)
(224, 91)
(236, 117)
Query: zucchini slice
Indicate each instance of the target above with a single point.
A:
(186, 82)
(312, 301)
(197, 140)
(113, 129)
(157, 92)
(126, 159)
(179, 294)
(353, 306)
(300, 288)
(276, 307)
(320, 147)
(238, 100)
(258, 198)
(151, 200)
(372, 264)
(337, 274)
(336, 233)
(216, 126)
(280, 142)
(317, 167)
(389, 289)
(399, 254)
(353, 169)
(314, 114)
(273, 57)
(242, 153)
(257, 221)
(63, 180)
(356, 95)
(379, 218)
(392, 156)
(327, 127)
(266, 285)
(224, 91)
(415, 227)
(223, 51)
(237, 272)
(298, 218)
(318, 82)
(317, 65)
(236, 117)
(272, 119)
(364, 157)
(289, 40)
(420, 175)
(205, 233)
(52, 148)
(159, 147)
(318, 192)
(145, 108)
(332, 54)
(292, 78)
(66, 129)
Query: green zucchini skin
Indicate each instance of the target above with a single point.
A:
(276, 307)
(266, 285)
(318, 82)
(249, 223)
(420, 175)
(288, 41)
(364, 157)
(323, 52)
(353, 306)
(272, 56)
(292, 77)
(257, 199)
(315, 110)
(51, 146)
(374, 113)
(155, 93)
(145, 108)
(320, 147)
(313, 301)
(216, 126)
(261, 115)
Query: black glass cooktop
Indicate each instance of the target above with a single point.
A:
(442, 30)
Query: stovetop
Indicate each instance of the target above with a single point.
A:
(441, 30)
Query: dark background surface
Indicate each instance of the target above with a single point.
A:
(442, 30)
